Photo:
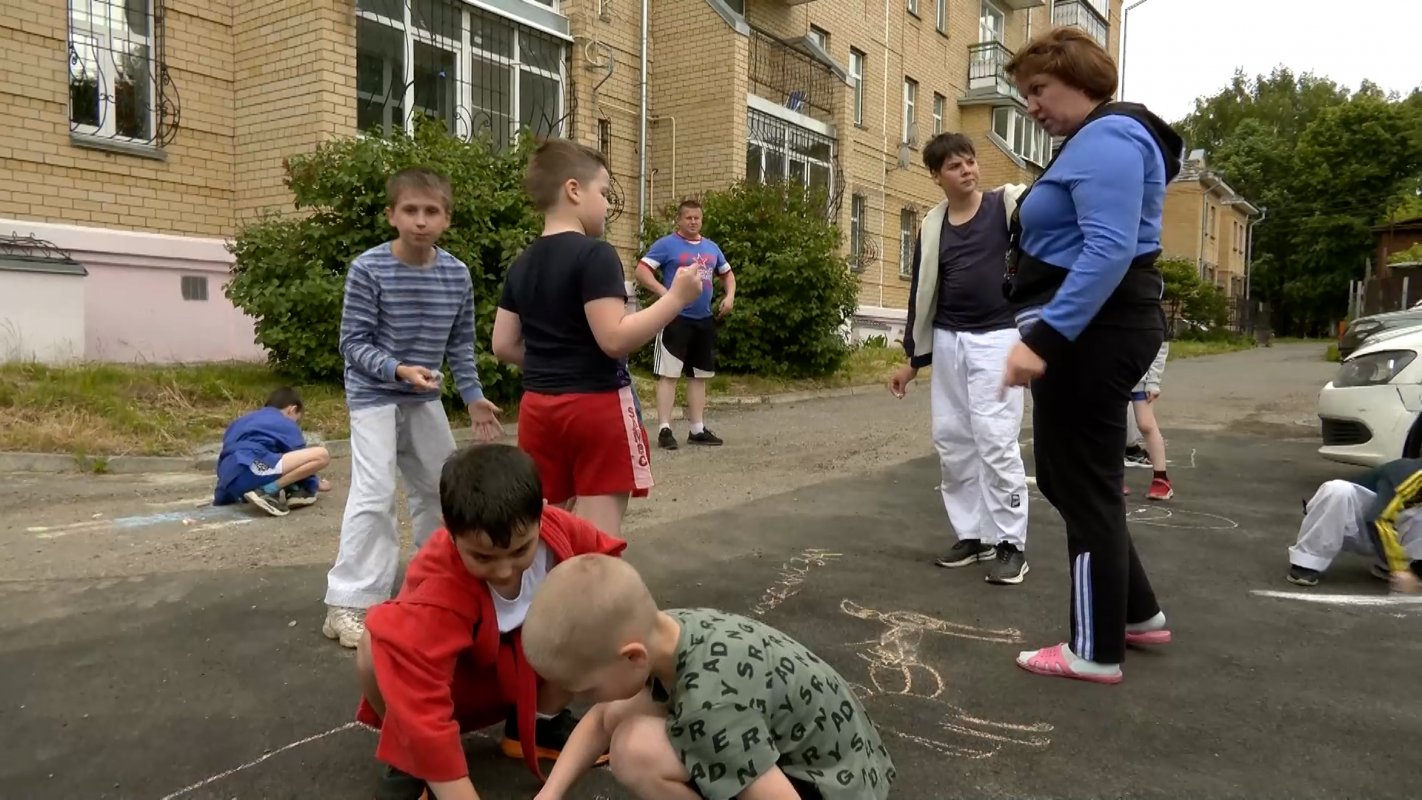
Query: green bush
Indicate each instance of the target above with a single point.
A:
(794, 290)
(290, 270)
(1189, 297)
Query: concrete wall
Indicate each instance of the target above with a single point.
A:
(41, 317)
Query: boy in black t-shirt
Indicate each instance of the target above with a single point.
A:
(563, 319)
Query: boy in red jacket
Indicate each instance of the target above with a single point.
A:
(445, 656)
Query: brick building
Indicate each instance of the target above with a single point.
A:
(1209, 223)
(139, 135)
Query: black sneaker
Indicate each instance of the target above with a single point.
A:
(966, 552)
(397, 785)
(299, 497)
(1141, 461)
(1303, 576)
(1009, 567)
(706, 437)
(551, 736)
(271, 503)
(666, 439)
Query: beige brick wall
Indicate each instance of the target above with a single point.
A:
(294, 74)
(48, 178)
(1180, 222)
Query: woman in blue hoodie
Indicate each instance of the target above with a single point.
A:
(1086, 292)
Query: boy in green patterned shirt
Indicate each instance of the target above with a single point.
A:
(695, 704)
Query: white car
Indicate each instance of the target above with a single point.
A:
(1370, 409)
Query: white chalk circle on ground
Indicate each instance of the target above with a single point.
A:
(1163, 517)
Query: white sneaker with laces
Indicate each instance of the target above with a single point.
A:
(346, 625)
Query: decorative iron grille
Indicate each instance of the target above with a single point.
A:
(120, 88)
(780, 151)
(782, 72)
(477, 72)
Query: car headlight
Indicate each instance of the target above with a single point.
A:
(1373, 369)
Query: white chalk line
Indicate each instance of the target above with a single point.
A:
(191, 502)
(1361, 600)
(254, 762)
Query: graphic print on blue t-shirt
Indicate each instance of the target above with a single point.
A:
(674, 251)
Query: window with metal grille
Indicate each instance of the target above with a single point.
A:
(908, 218)
(777, 150)
(477, 72)
(858, 210)
(194, 287)
(119, 89)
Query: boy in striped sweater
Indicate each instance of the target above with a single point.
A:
(409, 307)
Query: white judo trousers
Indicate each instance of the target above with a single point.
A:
(975, 432)
(413, 440)
(1334, 524)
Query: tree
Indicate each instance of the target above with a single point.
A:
(1327, 165)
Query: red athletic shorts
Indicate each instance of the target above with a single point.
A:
(586, 445)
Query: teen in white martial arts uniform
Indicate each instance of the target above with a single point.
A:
(959, 321)
(1378, 516)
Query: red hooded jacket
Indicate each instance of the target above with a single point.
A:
(441, 664)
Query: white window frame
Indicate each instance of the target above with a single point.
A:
(907, 218)
(992, 23)
(941, 17)
(856, 79)
(940, 105)
(466, 55)
(1021, 135)
(781, 130)
(819, 36)
(913, 7)
(104, 43)
(910, 111)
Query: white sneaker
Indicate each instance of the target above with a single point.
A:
(346, 625)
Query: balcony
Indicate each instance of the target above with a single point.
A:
(1083, 14)
(988, 83)
(791, 77)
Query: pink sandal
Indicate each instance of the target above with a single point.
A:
(1050, 661)
(1161, 636)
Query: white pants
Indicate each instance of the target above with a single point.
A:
(1333, 524)
(414, 439)
(975, 432)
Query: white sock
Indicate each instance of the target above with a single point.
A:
(698, 427)
(666, 426)
(1155, 623)
(542, 715)
(1077, 664)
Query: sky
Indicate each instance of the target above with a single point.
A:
(1178, 50)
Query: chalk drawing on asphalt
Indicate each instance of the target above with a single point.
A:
(1163, 517)
(897, 671)
(790, 578)
(1355, 600)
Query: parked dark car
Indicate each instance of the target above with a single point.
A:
(1360, 329)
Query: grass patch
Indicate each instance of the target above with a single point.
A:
(95, 411)
(1190, 348)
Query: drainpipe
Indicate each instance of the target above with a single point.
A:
(1249, 249)
(642, 127)
(884, 181)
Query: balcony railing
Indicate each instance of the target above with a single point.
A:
(1085, 15)
(783, 73)
(986, 76)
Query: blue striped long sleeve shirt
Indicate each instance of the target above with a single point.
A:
(394, 313)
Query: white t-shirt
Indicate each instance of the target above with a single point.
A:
(510, 613)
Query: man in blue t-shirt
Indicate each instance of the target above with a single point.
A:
(686, 347)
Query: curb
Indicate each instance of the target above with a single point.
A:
(339, 448)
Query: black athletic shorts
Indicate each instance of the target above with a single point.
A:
(687, 348)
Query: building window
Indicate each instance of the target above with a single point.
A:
(913, 7)
(777, 150)
(858, 210)
(738, 6)
(907, 218)
(1022, 135)
(991, 23)
(910, 111)
(939, 104)
(820, 37)
(604, 138)
(116, 71)
(1210, 227)
(194, 287)
(478, 73)
(856, 82)
(942, 16)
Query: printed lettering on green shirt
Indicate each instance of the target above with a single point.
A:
(748, 698)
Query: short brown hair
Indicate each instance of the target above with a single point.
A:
(421, 179)
(690, 202)
(1071, 56)
(945, 146)
(556, 162)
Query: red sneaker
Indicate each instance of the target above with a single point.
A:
(1160, 489)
